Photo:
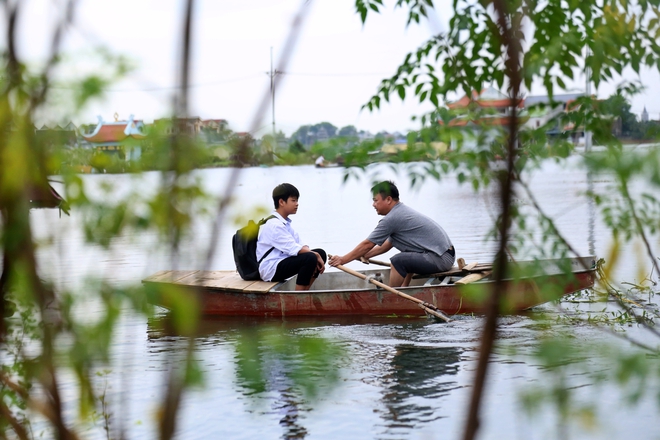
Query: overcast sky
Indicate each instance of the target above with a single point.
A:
(335, 69)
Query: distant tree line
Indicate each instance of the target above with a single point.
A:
(631, 128)
(309, 134)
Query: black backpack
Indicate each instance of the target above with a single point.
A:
(244, 244)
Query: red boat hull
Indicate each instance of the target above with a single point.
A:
(451, 299)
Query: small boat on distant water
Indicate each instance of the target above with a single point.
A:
(224, 293)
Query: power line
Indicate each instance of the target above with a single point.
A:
(337, 74)
(90, 35)
(271, 73)
(167, 88)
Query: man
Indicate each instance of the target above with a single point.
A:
(279, 249)
(424, 245)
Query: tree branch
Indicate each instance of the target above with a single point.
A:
(512, 71)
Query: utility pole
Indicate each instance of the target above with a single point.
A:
(587, 74)
(272, 74)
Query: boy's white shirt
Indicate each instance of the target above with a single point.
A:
(278, 233)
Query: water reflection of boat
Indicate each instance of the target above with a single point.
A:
(274, 368)
(419, 376)
(338, 293)
(164, 325)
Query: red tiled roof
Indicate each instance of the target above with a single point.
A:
(486, 103)
(495, 121)
(111, 133)
(461, 103)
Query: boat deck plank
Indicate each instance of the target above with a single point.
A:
(473, 277)
(228, 280)
(168, 276)
(236, 283)
(261, 287)
(211, 278)
(231, 280)
(185, 280)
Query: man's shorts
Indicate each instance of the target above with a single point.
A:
(422, 263)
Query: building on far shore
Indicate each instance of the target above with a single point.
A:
(482, 117)
(194, 126)
(57, 136)
(123, 138)
(544, 112)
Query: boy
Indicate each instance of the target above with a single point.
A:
(280, 247)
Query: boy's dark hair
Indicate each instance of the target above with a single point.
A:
(284, 191)
(385, 189)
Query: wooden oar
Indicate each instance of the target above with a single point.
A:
(377, 262)
(480, 267)
(462, 268)
(476, 276)
(430, 309)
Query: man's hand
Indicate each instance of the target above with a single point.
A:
(359, 251)
(335, 261)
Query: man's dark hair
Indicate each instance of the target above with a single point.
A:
(385, 189)
(284, 191)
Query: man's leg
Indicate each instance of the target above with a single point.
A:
(396, 280)
(405, 264)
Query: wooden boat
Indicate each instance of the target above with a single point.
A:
(337, 293)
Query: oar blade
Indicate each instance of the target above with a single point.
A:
(434, 313)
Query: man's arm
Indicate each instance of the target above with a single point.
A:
(377, 250)
(361, 249)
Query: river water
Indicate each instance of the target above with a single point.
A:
(395, 378)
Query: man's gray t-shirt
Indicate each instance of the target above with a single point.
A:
(410, 231)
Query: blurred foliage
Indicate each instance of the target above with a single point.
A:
(277, 360)
(570, 365)
(331, 149)
(470, 55)
(296, 147)
(46, 334)
(546, 44)
(49, 342)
